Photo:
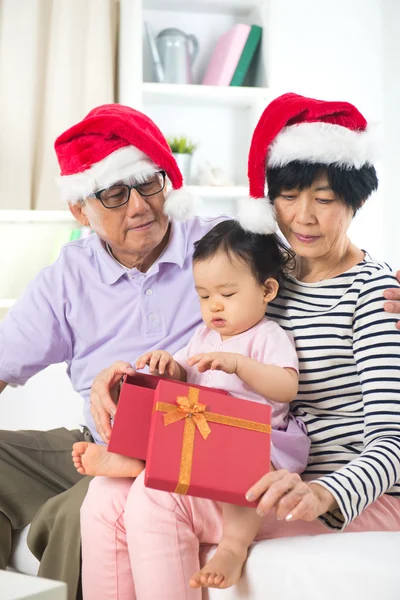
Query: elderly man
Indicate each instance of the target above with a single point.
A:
(123, 290)
(126, 289)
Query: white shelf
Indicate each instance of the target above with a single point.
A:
(205, 95)
(63, 216)
(222, 192)
(7, 302)
(232, 7)
(36, 216)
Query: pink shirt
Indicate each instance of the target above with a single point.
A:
(266, 342)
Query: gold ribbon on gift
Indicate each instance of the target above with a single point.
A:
(195, 415)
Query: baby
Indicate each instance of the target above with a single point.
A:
(236, 274)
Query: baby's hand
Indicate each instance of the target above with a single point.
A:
(215, 361)
(158, 360)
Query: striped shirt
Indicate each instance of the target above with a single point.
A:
(349, 391)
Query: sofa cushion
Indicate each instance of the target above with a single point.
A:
(348, 566)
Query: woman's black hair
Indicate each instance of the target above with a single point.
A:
(266, 255)
(353, 186)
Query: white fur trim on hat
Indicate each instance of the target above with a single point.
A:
(323, 143)
(256, 215)
(180, 204)
(127, 164)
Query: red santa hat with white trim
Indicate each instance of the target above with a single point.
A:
(295, 128)
(115, 143)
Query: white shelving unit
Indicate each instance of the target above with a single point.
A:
(220, 119)
(29, 241)
(6, 303)
(36, 216)
(203, 95)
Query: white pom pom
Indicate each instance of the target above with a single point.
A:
(180, 204)
(256, 215)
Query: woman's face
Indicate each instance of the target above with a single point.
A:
(314, 221)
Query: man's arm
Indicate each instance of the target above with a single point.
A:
(393, 296)
(3, 385)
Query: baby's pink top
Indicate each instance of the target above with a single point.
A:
(266, 342)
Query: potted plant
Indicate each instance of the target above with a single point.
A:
(183, 149)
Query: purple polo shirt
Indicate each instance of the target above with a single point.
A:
(88, 311)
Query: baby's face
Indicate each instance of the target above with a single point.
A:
(231, 299)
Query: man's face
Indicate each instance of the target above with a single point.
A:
(135, 231)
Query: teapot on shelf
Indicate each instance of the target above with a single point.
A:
(173, 53)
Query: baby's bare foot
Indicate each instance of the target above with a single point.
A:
(224, 569)
(93, 459)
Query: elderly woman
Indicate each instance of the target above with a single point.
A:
(317, 159)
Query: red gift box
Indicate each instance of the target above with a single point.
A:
(130, 432)
(207, 445)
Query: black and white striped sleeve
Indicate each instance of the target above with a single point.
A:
(376, 347)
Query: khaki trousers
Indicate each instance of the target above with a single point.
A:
(39, 485)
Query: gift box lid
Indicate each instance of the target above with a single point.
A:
(130, 432)
(227, 462)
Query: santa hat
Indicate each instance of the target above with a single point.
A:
(117, 143)
(295, 128)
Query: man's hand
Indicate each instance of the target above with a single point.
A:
(393, 295)
(291, 498)
(160, 361)
(215, 361)
(104, 396)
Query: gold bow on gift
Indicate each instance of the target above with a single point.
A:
(195, 415)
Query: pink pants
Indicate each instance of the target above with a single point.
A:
(139, 543)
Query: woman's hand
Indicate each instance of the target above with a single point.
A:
(104, 396)
(160, 361)
(291, 498)
(215, 361)
(393, 295)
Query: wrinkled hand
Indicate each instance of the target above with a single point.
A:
(215, 361)
(393, 295)
(290, 498)
(104, 396)
(158, 360)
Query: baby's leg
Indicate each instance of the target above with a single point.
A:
(240, 527)
(93, 459)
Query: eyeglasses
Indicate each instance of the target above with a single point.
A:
(118, 195)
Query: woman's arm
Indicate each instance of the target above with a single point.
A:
(270, 381)
(376, 347)
(3, 386)
(393, 295)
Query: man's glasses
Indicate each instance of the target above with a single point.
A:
(118, 195)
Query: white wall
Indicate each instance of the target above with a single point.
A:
(391, 106)
(342, 51)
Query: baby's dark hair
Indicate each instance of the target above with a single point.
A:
(266, 255)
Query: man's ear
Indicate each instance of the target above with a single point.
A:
(78, 211)
(271, 288)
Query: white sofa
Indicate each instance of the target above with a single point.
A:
(361, 566)
(354, 566)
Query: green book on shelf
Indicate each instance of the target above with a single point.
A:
(247, 55)
(75, 234)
